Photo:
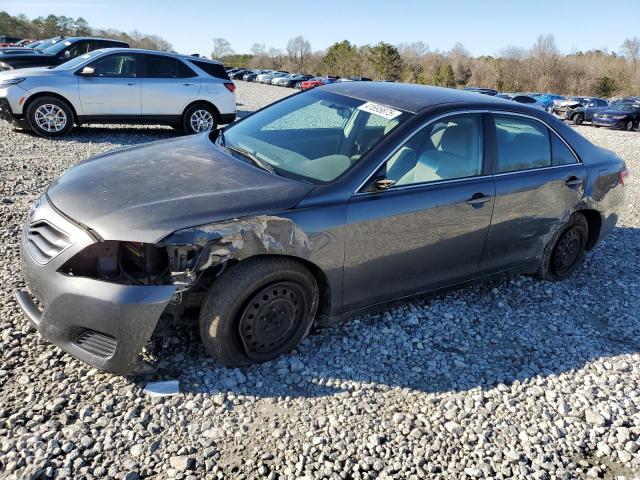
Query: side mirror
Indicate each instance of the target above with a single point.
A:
(87, 71)
(384, 184)
(66, 54)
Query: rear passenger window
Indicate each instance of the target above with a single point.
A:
(213, 69)
(562, 155)
(159, 66)
(523, 144)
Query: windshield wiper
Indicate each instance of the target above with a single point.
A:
(257, 161)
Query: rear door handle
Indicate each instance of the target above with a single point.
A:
(478, 199)
(573, 181)
(187, 84)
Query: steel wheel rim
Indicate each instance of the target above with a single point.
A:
(50, 118)
(567, 251)
(201, 121)
(629, 126)
(271, 318)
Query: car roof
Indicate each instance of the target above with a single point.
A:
(73, 39)
(407, 96)
(157, 52)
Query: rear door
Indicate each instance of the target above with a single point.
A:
(168, 85)
(113, 90)
(538, 179)
(428, 229)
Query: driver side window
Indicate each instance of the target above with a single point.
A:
(448, 149)
(123, 66)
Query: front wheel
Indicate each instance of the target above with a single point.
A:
(199, 118)
(49, 117)
(629, 126)
(258, 310)
(566, 250)
(578, 118)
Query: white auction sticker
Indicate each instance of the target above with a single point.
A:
(380, 110)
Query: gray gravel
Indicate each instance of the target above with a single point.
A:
(514, 379)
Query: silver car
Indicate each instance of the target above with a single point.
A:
(118, 85)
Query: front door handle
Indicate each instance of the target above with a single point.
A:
(573, 181)
(478, 199)
(130, 84)
(187, 84)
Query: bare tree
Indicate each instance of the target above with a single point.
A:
(631, 48)
(298, 50)
(221, 47)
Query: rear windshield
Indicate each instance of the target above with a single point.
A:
(214, 69)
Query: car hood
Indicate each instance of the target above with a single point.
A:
(612, 112)
(568, 103)
(28, 72)
(7, 57)
(144, 193)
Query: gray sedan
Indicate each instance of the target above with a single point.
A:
(327, 203)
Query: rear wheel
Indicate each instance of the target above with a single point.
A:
(258, 310)
(578, 118)
(49, 117)
(566, 251)
(199, 118)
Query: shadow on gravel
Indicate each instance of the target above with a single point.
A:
(497, 333)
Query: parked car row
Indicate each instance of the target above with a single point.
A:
(283, 78)
(622, 113)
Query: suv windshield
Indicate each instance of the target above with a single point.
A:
(57, 47)
(315, 136)
(625, 107)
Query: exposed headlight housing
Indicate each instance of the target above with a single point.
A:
(5, 67)
(8, 82)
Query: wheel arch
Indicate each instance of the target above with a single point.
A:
(324, 285)
(205, 102)
(38, 95)
(594, 223)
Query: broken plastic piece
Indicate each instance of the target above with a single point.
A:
(163, 389)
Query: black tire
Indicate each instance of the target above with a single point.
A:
(578, 118)
(265, 286)
(36, 109)
(565, 251)
(188, 123)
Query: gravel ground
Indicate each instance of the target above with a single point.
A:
(514, 379)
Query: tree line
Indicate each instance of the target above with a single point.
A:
(53, 26)
(540, 68)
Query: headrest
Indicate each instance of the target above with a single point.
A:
(456, 140)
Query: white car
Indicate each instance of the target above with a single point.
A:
(119, 85)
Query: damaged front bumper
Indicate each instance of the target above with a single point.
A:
(101, 323)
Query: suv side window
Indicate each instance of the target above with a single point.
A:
(77, 49)
(522, 143)
(159, 66)
(450, 148)
(117, 65)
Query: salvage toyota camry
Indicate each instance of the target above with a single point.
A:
(321, 205)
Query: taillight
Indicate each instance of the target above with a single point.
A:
(622, 175)
(230, 86)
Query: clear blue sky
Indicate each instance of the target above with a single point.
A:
(484, 27)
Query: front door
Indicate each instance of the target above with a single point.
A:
(113, 89)
(427, 230)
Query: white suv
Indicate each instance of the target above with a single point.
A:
(119, 85)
